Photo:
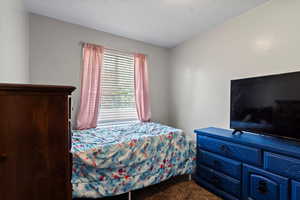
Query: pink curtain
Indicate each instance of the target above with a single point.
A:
(92, 58)
(142, 95)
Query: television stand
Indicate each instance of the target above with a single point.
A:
(250, 166)
(237, 131)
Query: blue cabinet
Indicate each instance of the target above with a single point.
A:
(231, 150)
(247, 166)
(220, 163)
(220, 181)
(262, 185)
(295, 190)
(283, 165)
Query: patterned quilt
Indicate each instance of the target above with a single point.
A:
(111, 161)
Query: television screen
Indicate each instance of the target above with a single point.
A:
(267, 105)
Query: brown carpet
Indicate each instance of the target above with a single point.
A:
(174, 190)
(178, 188)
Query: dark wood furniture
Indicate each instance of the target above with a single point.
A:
(35, 142)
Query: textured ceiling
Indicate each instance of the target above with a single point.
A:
(165, 23)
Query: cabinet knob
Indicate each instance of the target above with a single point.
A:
(216, 163)
(224, 148)
(215, 180)
(263, 187)
(3, 157)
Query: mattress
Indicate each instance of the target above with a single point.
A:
(111, 161)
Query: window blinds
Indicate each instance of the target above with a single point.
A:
(117, 89)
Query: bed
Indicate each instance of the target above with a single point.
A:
(112, 161)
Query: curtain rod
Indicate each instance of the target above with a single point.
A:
(108, 48)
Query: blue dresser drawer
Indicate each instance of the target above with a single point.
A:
(243, 153)
(219, 180)
(262, 185)
(295, 190)
(220, 163)
(283, 165)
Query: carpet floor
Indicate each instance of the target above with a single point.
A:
(172, 190)
(178, 188)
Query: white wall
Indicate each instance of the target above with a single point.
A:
(263, 41)
(55, 56)
(13, 42)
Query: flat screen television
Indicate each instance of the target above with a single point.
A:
(267, 105)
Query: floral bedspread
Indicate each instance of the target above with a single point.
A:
(111, 161)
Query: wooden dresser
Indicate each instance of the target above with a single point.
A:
(35, 142)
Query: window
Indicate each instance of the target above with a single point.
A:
(117, 89)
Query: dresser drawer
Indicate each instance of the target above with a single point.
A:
(295, 190)
(220, 180)
(236, 151)
(283, 165)
(219, 163)
(262, 185)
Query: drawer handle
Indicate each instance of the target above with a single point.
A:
(3, 157)
(224, 148)
(215, 180)
(262, 187)
(216, 163)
